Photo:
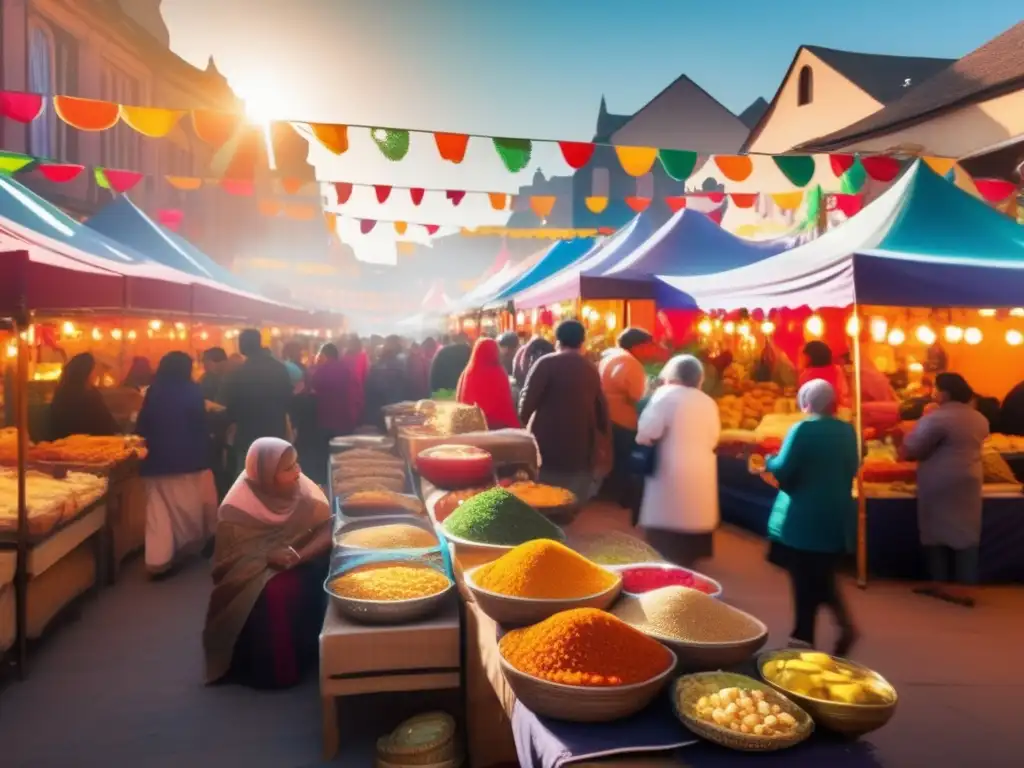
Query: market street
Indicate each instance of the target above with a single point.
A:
(120, 686)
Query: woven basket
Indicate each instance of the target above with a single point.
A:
(687, 690)
(579, 703)
(522, 611)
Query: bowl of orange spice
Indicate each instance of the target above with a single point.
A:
(584, 665)
(538, 579)
(559, 505)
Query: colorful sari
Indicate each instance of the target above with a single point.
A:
(261, 623)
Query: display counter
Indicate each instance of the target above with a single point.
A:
(893, 544)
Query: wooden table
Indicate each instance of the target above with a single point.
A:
(362, 658)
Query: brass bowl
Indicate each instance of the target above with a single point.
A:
(852, 720)
(512, 611)
(582, 703)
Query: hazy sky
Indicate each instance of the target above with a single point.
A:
(529, 68)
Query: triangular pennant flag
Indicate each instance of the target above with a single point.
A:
(678, 163)
(596, 204)
(542, 205)
(416, 194)
(841, 163)
(848, 205)
(393, 143)
(12, 162)
(743, 199)
(941, 165)
(799, 169)
(455, 195)
(676, 203)
(343, 190)
(881, 167)
(334, 138)
(735, 167)
(514, 153)
(383, 192)
(366, 226)
(152, 122)
(452, 146)
(715, 197)
(117, 180)
(853, 180)
(185, 183)
(995, 191)
(400, 227)
(499, 200)
(87, 114)
(638, 204)
(21, 107)
(431, 228)
(60, 173)
(576, 153)
(788, 201)
(238, 187)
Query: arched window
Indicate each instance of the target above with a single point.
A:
(42, 137)
(805, 93)
(600, 184)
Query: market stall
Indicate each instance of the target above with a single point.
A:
(875, 282)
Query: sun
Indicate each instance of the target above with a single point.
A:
(263, 103)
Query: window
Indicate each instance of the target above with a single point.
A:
(52, 69)
(600, 185)
(805, 92)
(645, 186)
(121, 146)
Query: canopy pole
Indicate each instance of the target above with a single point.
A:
(862, 504)
(21, 331)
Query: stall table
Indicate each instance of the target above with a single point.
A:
(362, 658)
(894, 549)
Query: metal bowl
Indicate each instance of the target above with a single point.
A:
(345, 525)
(717, 593)
(850, 720)
(388, 611)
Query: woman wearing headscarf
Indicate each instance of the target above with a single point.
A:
(181, 496)
(484, 383)
(818, 364)
(140, 374)
(813, 519)
(679, 511)
(272, 543)
(78, 407)
(947, 444)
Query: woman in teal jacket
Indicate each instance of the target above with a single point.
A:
(813, 521)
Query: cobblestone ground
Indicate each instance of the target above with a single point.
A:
(119, 686)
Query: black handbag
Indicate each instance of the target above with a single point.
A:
(643, 460)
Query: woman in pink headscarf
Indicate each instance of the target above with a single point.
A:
(271, 547)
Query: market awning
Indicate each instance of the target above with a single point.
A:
(567, 284)
(557, 257)
(922, 243)
(689, 243)
(37, 279)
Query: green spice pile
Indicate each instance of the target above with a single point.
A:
(498, 517)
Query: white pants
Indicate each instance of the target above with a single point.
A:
(181, 514)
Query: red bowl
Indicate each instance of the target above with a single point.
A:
(455, 466)
(638, 578)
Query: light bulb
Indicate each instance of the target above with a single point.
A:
(275, 332)
(116, 334)
(12, 350)
(879, 329)
(954, 334)
(1017, 312)
(986, 313)
(925, 335)
(705, 327)
(853, 326)
(896, 337)
(557, 310)
(68, 329)
(1014, 337)
(767, 327)
(203, 336)
(610, 321)
(729, 327)
(973, 336)
(815, 326)
(179, 326)
(155, 325)
(520, 317)
(915, 368)
(743, 329)
(534, 316)
(132, 335)
(97, 334)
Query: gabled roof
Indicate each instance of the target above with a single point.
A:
(881, 76)
(994, 68)
(608, 123)
(752, 115)
(683, 116)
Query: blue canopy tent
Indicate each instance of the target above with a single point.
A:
(922, 243)
(568, 283)
(558, 257)
(121, 220)
(687, 244)
(488, 289)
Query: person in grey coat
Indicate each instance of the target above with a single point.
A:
(947, 444)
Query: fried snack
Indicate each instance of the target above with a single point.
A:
(345, 488)
(369, 469)
(371, 501)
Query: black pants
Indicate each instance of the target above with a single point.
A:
(623, 487)
(812, 576)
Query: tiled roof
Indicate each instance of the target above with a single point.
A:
(885, 78)
(996, 66)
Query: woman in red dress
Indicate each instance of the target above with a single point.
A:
(485, 383)
(818, 365)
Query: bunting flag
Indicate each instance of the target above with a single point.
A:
(87, 114)
(119, 181)
(638, 204)
(735, 167)
(676, 203)
(543, 205)
(995, 191)
(154, 123)
(514, 153)
(21, 107)
(60, 173)
(452, 146)
(636, 161)
(596, 205)
(392, 143)
(13, 162)
(678, 164)
(799, 169)
(499, 200)
(576, 154)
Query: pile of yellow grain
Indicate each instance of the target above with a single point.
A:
(543, 569)
(393, 536)
(390, 582)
